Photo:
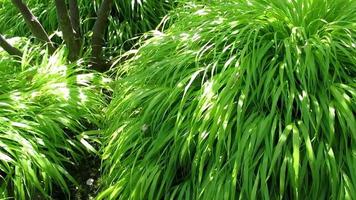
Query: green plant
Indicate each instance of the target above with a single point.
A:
(129, 19)
(45, 105)
(132, 18)
(13, 24)
(238, 100)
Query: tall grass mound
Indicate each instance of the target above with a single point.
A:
(238, 100)
(45, 105)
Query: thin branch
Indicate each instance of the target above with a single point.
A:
(34, 25)
(67, 30)
(9, 48)
(99, 28)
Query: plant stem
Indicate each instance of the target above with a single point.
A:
(99, 28)
(75, 17)
(34, 25)
(9, 48)
(67, 30)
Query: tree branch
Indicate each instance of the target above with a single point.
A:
(9, 48)
(99, 28)
(65, 25)
(34, 25)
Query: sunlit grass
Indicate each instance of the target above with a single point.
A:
(45, 105)
(238, 100)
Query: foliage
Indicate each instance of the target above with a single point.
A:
(238, 100)
(132, 18)
(45, 105)
(13, 24)
(129, 19)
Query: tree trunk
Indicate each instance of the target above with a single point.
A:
(75, 17)
(9, 48)
(99, 28)
(67, 30)
(34, 25)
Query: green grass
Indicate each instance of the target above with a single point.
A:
(45, 105)
(238, 100)
(129, 20)
(132, 18)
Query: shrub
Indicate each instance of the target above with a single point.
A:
(238, 100)
(45, 105)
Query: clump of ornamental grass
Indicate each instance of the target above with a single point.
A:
(238, 100)
(45, 105)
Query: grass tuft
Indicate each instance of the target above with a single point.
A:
(45, 105)
(238, 100)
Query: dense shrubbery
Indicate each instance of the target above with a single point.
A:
(238, 100)
(45, 104)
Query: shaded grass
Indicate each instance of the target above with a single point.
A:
(238, 100)
(45, 105)
(129, 19)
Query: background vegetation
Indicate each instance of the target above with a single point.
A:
(127, 21)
